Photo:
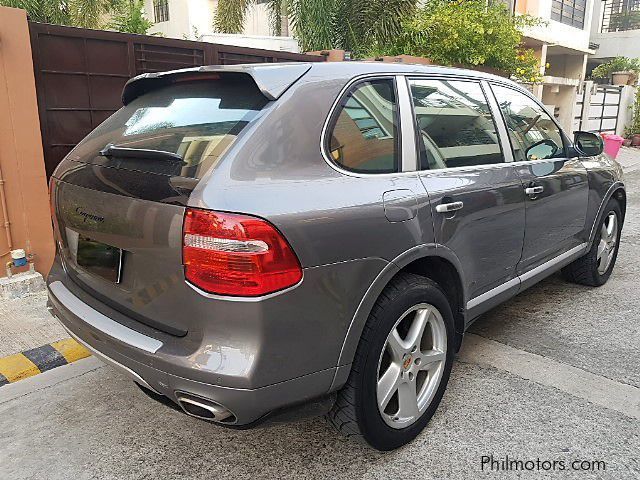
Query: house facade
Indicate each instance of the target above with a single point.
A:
(193, 20)
(615, 30)
(562, 43)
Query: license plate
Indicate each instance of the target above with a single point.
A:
(99, 258)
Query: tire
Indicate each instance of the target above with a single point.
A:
(356, 412)
(588, 269)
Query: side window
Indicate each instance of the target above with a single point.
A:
(364, 134)
(455, 126)
(534, 135)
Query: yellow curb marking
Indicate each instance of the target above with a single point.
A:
(71, 350)
(16, 367)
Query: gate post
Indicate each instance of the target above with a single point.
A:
(21, 158)
(586, 104)
(625, 111)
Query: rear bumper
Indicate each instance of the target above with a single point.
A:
(121, 346)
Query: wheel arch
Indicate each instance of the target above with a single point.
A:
(617, 191)
(620, 194)
(436, 262)
(447, 276)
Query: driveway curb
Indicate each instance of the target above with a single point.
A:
(37, 360)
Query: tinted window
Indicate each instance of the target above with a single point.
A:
(364, 136)
(196, 120)
(534, 135)
(569, 12)
(455, 126)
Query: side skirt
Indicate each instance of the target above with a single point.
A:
(486, 301)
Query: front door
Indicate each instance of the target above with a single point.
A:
(556, 187)
(477, 201)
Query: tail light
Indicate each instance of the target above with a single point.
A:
(231, 254)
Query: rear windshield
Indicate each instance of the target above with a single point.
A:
(197, 120)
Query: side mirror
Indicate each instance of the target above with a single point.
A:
(546, 148)
(588, 144)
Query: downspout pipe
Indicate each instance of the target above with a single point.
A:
(5, 214)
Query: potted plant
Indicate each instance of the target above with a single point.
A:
(620, 71)
(622, 77)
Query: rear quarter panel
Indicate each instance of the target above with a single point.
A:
(277, 171)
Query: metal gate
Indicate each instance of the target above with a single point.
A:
(599, 110)
(80, 74)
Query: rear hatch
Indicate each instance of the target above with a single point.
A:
(119, 197)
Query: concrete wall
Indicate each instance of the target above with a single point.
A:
(186, 17)
(625, 114)
(257, 21)
(201, 13)
(178, 24)
(21, 160)
(613, 44)
(562, 99)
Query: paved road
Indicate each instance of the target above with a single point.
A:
(25, 323)
(554, 374)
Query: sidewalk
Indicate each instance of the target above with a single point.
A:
(25, 323)
(629, 158)
(31, 339)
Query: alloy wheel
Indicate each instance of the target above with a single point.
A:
(607, 244)
(411, 365)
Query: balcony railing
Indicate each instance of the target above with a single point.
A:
(621, 15)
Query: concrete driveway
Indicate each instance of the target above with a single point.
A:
(553, 375)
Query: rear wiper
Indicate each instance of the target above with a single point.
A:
(112, 150)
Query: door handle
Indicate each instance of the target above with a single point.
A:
(449, 207)
(534, 190)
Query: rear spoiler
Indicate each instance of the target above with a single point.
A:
(271, 79)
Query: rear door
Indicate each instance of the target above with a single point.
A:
(119, 213)
(556, 187)
(476, 197)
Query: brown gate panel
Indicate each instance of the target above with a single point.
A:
(158, 58)
(80, 74)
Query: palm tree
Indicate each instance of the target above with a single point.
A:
(46, 11)
(77, 13)
(89, 13)
(230, 15)
(355, 25)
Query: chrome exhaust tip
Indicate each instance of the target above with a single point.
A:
(205, 409)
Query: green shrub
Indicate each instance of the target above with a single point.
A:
(618, 64)
(470, 33)
(634, 127)
(128, 16)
